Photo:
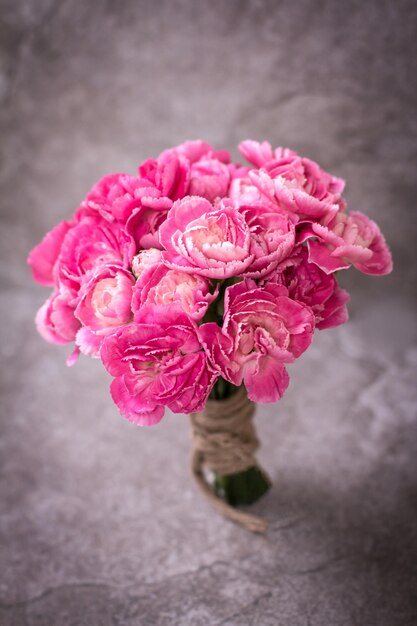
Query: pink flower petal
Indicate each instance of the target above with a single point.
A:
(44, 256)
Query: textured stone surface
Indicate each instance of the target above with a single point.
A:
(100, 523)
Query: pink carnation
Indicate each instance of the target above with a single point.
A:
(146, 260)
(119, 196)
(115, 196)
(158, 284)
(170, 174)
(104, 304)
(243, 191)
(296, 184)
(158, 362)
(291, 166)
(91, 243)
(143, 225)
(55, 320)
(287, 163)
(212, 241)
(290, 195)
(348, 240)
(307, 283)
(263, 329)
(272, 237)
(210, 179)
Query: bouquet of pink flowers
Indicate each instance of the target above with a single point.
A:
(200, 275)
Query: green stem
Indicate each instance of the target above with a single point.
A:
(247, 486)
(222, 389)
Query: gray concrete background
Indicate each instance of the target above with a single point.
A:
(100, 522)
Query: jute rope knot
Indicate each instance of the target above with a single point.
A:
(224, 441)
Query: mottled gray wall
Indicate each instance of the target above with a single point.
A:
(100, 523)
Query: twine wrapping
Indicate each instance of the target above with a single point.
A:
(225, 441)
